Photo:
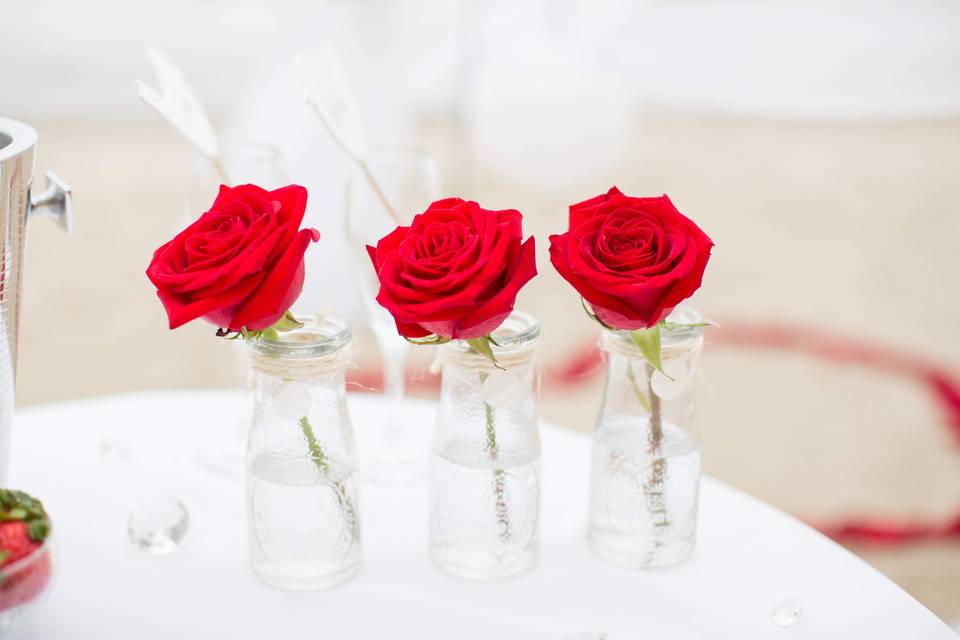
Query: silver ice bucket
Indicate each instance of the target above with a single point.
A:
(18, 142)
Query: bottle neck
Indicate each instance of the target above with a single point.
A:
(485, 411)
(648, 398)
(329, 367)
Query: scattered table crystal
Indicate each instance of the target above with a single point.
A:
(588, 635)
(113, 450)
(158, 525)
(788, 612)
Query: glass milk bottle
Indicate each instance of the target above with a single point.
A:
(301, 464)
(485, 464)
(645, 473)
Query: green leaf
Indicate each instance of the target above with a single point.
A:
(482, 346)
(682, 325)
(648, 341)
(641, 398)
(4, 554)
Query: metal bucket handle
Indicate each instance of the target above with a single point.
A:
(55, 202)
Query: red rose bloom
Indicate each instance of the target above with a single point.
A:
(455, 271)
(241, 264)
(632, 259)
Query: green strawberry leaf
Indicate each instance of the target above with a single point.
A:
(4, 554)
(38, 530)
(18, 506)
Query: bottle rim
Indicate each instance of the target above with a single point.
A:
(672, 336)
(518, 331)
(321, 335)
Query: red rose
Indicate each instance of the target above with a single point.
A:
(455, 271)
(632, 259)
(241, 264)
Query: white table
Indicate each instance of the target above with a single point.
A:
(93, 461)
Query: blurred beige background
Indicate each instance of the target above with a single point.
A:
(831, 209)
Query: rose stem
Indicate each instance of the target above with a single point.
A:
(499, 477)
(653, 488)
(320, 459)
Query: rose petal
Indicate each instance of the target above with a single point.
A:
(280, 288)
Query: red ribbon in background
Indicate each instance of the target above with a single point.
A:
(943, 386)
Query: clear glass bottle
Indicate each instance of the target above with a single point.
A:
(485, 464)
(645, 472)
(302, 509)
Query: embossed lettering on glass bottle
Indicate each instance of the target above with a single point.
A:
(485, 467)
(645, 473)
(304, 531)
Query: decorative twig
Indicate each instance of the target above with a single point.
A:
(326, 92)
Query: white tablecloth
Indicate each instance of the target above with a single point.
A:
(93, 461)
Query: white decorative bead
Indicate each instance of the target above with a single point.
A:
(499, 388)
(292, 400)
(666, 388)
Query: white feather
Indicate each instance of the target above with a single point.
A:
(177, 102)
(324, 87)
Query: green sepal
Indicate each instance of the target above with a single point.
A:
(482, 345)
(4, 554)
(594, 316)
(287, 322)
(431, 339)
(267, 334)
(648, 341)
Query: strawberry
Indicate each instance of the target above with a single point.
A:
(24, 526)
(15, 542)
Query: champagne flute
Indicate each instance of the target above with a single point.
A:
(239, 162)
(408, 180)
